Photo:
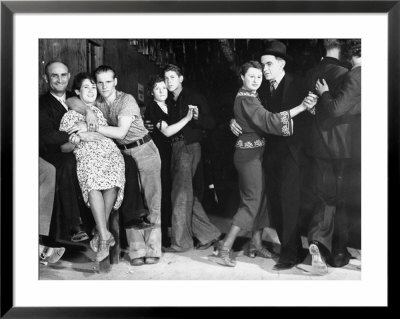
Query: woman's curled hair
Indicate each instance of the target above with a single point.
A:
(80, 77)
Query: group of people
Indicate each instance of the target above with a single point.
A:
(332, 96)
(91, 140)
(106, 157)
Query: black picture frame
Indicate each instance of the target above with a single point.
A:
(9, 8)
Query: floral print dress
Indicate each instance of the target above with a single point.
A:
(100, 164)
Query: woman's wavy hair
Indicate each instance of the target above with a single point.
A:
(152, 83)
(80, 77)
(251, 64)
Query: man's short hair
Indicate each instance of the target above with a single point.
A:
(104, 68)
(332, 44)
(354, 46)
(173, 67)
(46, 67)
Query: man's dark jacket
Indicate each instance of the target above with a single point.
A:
(51, 138)
(289, 93)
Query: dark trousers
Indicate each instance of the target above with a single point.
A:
(132, 207)
(69, 210)
(250, 216)
(329, 224)
(283, 189)
(166, 188)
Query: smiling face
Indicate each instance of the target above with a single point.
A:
(272, 67)
(106, 83)
(160, 92)
(57, 78)
(173, 81)
(87, 92)
(252, 79)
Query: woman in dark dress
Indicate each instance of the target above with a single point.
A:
(157, 114)
(256, 122)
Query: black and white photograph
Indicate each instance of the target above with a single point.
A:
(179, 159)
(195, 154)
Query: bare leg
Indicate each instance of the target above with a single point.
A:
(98, 210)
(256, 240)
(109, 196)
(223, 248)
(231, 237)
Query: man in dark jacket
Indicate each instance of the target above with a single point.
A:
(339, 107)
(54, 147)
(281, 92)
(282, 156)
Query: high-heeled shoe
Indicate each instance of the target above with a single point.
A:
(104, 248)
(224, 255)
(94, 242)
(253, 252)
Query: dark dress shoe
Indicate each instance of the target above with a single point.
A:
(206, 245)
(283, 266)
(140, 224)
(339, 259)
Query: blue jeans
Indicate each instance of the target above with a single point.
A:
(188, 216)
(147, 243)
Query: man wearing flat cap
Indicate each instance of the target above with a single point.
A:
(281, 92)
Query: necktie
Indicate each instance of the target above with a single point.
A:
(272, 87)
(62, 101)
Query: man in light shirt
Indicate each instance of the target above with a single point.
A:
(126, 127)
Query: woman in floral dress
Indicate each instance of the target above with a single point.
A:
(100, 165)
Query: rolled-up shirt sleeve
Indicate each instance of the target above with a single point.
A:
(272, 123)
(129, 107)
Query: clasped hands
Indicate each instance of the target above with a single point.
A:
(309, 101)
(195, 111)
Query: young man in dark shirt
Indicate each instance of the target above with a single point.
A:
(188, 216)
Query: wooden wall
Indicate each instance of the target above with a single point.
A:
(72, 52)
(131, 67)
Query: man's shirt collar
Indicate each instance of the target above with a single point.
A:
(279, 78)
(61, 99)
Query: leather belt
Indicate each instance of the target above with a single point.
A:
(139, 142)
(177, 138)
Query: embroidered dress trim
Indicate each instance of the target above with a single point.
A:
(250, 144)
(246, 93)
(285, 117)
